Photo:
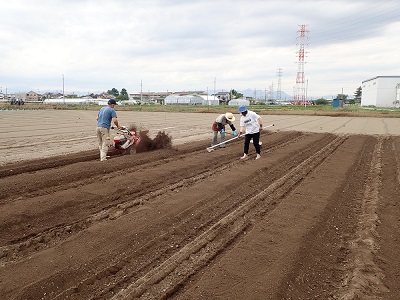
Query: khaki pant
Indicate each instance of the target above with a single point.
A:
(103, 137)
(214, 141)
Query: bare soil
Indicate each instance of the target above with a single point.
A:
(317, 217)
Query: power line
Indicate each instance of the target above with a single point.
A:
(348, 19)
(364, 25)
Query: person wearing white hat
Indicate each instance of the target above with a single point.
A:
(219, 126)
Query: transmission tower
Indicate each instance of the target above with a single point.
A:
(279, 90)
(302, 38)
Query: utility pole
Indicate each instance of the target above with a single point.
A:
(141, 87)
(265, 96)
(279, 91)
(271, 90)
(215, 86)
(63, 89)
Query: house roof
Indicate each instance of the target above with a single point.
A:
(222, 93)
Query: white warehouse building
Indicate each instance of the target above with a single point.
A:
(183, 100)
(381, 91)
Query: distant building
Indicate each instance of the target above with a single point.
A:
(238, 102)
(209, 100)
(183, 100)
(381, 91)
(32, 96)
(223, 97)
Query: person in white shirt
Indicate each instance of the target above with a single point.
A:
(251, 126)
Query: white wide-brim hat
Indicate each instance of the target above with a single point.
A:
(230, 116)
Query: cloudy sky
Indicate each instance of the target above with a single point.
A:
(175, 45)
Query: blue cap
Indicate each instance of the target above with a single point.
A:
(112, 101)
(242, 108)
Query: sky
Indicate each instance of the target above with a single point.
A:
(90, 46)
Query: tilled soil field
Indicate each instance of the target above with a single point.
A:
(317, 217)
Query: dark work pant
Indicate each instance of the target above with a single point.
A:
(256, 140)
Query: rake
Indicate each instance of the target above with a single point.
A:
(209, 149)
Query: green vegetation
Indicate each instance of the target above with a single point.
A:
(311, 110)
(235, 94)
(357, 95)
(117, 95)
(322, 101)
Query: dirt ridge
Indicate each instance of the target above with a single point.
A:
(175, 223)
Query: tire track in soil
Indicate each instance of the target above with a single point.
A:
(363, 277)
(388, 229)
(347, 240)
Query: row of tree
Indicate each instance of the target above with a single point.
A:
(123, 95)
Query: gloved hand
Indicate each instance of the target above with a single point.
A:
(234, 133)
(261, 127)
(222, 131)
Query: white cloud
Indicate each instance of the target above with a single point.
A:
(190, 45)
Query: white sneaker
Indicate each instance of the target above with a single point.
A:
(244, 156)
(258, 156)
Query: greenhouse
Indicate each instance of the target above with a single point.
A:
(237, 102)
(183, 100)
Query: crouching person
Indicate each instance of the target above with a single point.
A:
(219, 127)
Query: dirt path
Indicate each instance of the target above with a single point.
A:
(316, 218)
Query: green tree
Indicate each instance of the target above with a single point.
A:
(342, 97)
(357, 95)
(235, 94)
(321, 101)
(113, 92)
(124, 92)
(123, 95)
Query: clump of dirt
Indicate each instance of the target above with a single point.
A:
(161, 141)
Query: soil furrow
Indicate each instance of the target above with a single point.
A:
(307, 152)
(388, 228)
(331, 238)
(138, 288)
(124, 201)
(363, 277)
(183, 223)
